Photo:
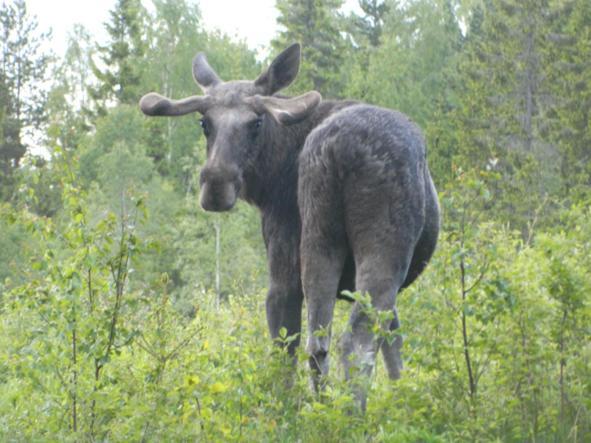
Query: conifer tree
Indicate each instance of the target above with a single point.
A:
(22, 97)
(122, 56)
(316, 25)
(504, 98)
(569, 74)
(370, 25)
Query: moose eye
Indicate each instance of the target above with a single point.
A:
(205, 126)
(256, 124)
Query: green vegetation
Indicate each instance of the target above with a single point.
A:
(127, 313)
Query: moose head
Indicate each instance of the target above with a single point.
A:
(235, 115)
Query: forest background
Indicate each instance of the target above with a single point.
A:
(127, 313)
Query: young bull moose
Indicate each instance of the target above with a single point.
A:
(346, 199)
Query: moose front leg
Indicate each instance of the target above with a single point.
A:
(284, 310)
(284, 298)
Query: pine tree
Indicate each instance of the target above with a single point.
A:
(22, 97)
(370, 25)
(316, 25)
(569, 76)
(504, 100)
(122, 56)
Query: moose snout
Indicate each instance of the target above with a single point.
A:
(219, 187)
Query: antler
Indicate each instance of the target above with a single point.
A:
(154, 104)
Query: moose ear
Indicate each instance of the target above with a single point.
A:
(282, 71)
(287, 111)
(204, 74)
(153, 104)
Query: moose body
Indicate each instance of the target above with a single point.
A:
(345, 195)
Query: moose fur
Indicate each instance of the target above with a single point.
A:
(345, 196)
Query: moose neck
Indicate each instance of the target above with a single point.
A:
(272, 184)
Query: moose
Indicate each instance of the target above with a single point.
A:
(345, 195)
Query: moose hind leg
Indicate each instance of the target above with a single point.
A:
(323, 250)
(382, 252)
(321, 274)
(359, 343)
(391, 351)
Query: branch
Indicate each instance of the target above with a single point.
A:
(479, 279)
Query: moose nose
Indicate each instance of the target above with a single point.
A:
(219, 174)
(219, 187)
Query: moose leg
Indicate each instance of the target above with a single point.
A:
(359, 343)
(391, 351)
(323, 250)
(284, 299)
(284, 310)
(382, 237)
(321, 272)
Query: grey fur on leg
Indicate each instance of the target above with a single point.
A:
(391, 351)
(360, 345)
(322, 260)
(358, 363)
(320, 283)
(280, 306)
(392, 357)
